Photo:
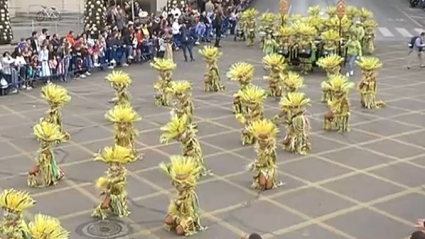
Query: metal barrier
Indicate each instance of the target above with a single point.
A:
(23, 29)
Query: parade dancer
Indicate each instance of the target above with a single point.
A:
(338, 115)
(253, 99)
(212, 77)
(165, 68)
(47, 171)
(113, 184)
(264, 166)
(120, 82)
(242, 73)
(184, 210)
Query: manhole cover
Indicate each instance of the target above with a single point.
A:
(108, 229)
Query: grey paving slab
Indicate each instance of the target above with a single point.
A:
(381, 160)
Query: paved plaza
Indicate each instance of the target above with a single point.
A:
(366, 184)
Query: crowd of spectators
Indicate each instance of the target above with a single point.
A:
(46, 57)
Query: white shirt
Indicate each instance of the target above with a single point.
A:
(161, 44)
(41, 39)
(175, 28)
(6, 62)
(176, 12)
(20, 61)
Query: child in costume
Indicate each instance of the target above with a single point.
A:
(253, 99)
(338, 115)
(264, 166)
(212, 77)
(184, 210)
(270, 45)
(276, 65)
(243, 73)
(368, 86)
(183, 104)
(165, 68)
(297, 123)
(120, 82)
(114, 183)
(47, 172)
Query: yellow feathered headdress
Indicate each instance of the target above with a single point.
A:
(115, 154)
(338, 84)
(241, 72)
(210, 53)
(122, 114)
(181, 87)
(275, 62)
(163, 65)
(293, 80)
(119, 79)
(294, 100)
(330, 62)
(47, 132)
(263, 129)
(253, 95)
(16, 201)
(174, 128)
(55, 95)
(46, 227)
(182, 170)
(369, 63)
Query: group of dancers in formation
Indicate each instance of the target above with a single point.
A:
(184, 170)
(303, 40)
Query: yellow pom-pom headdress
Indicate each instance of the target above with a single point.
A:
(55, 95)
(46, 227)
(122, 114)
(119, 79)
(48, 132)
(182, 170)
(16, 201)
(115, 154)
(241, 72)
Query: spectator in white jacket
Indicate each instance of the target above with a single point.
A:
(21, 68)
(8, 62)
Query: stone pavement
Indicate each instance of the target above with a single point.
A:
(366, 184)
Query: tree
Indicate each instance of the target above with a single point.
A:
(94, 17)
(6, 34)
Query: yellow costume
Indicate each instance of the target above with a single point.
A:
(277, 70)
(253, 99)
(47, 172)
(368, 86)
(113, 184)
(212, 77)
(165, 68)
(120, 81)
(264, 166)
(243, 73)
(338, 115)
(184, 210)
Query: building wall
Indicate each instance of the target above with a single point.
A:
(68, 6)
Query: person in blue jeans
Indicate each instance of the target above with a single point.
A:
(187, 41)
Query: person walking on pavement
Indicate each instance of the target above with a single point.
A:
(217, 22)
(354, 52)
(187, 41)
(416, 53)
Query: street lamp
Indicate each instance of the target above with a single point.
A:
(283, 7)
(340, 12)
